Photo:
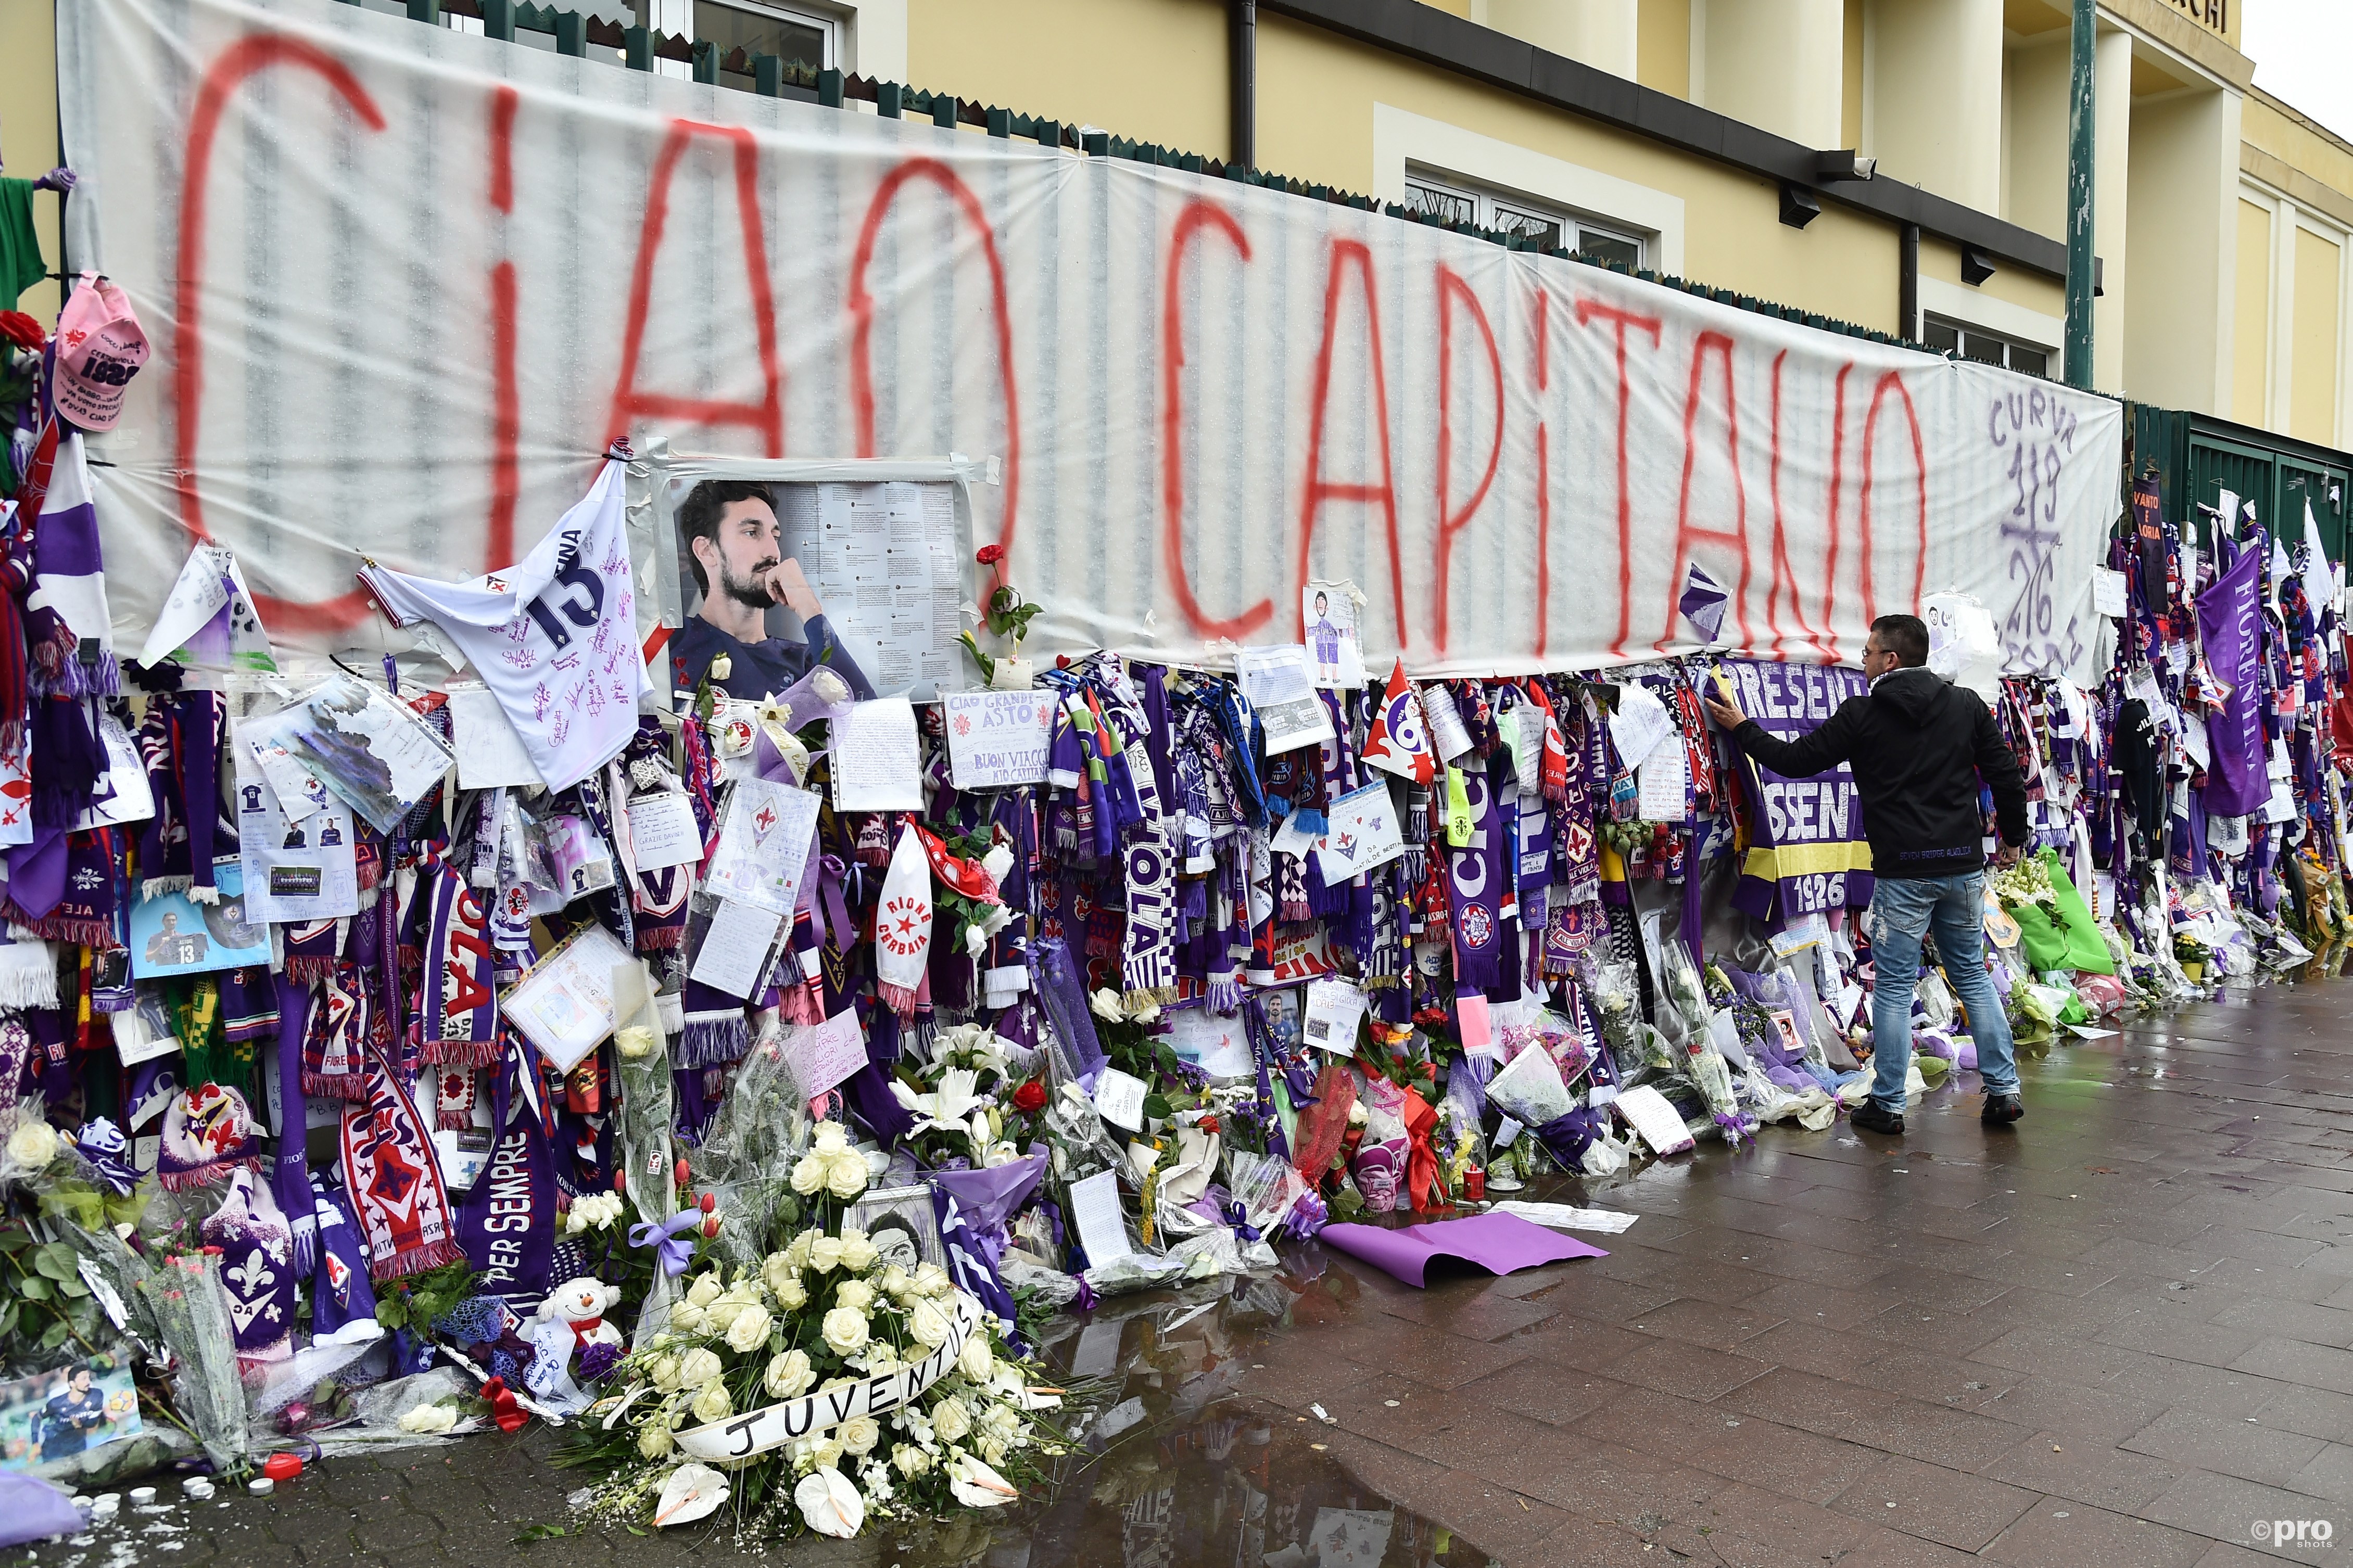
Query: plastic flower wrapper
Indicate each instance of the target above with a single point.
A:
(1684, 1013)
(819, 1314)
(752, 1151)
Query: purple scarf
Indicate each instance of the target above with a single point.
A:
(507, 1224)
(291, 1171)
(2230, 621)
(256, 1269)
(1477, 875)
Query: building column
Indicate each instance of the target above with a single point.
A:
(2112, 171)
(1599, 33)
(1779, 65)
(1935, 97)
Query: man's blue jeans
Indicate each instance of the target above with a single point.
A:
(1903, 909)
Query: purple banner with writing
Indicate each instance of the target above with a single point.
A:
(2230, 621)
(1807, 854)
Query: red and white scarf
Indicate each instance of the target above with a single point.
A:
(394, 1179)
(902, 924)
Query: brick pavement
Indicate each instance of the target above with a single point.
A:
(2121, 1334)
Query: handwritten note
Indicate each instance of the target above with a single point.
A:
(1119, 1099)
(734, 951)
(2108, 597)
(763, 844)
(1275, 680)
(999, 739)
(1216, 1045)
(1663, 782)
(1363, 832)
(1448, 736)
(822, 1055)
(1101, 1224)
(877, 762)
(1335, 1008)
(663, 831)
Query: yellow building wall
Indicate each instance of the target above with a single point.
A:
(2313, 348)
(1942, 259)
(1316, 94)
(1662, 46)
(2250, 330)
(1150, 70)
(28, 132)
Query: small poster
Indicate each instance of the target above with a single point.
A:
(999, 739)
(1275, 681)
(1213, 1044)
(57, 1414)
(1362, 833)
(565, 1006)
(1328, 611)
(764, 844)
(170, 933)
(1335, 1009)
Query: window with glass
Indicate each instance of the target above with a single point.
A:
(1986, 348)
(1536, 227)
(742, 30)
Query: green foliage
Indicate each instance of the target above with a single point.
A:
(42, 1301)
(419, 1301)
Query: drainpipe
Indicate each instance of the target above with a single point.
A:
(2081, 282)
(1242, 81)
(1907, 283)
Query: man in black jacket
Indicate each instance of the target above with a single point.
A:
(1918, 745)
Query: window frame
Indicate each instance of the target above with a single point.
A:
(1963, 331)
(827, 23)
(1492, 208)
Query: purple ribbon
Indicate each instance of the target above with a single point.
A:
(671, 1249)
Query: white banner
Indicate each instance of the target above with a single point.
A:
(404, 284)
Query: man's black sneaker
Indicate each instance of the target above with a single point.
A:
(1871, 1118)
(2002, 1110)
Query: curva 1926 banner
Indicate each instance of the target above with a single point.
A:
(404, 284)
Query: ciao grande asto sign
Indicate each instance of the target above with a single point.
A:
(404, 284)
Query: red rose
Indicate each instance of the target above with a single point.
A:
(989, 554)
(21, 330)
(1031, 1096)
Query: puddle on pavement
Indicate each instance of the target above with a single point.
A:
(1179, 1468)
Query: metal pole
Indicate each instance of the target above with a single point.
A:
(1242, 81)
(2079, 196)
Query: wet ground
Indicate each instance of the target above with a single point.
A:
(2121, 1333)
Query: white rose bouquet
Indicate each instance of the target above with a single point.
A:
(823, 1312)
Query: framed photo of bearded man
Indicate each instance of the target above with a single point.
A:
(774, 567)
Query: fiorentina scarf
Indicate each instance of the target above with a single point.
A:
(459, 1014)
(507, 1224)
(1148, 956)
(1476, 874)
(394, 1180)
(1399, 743)
(257, 1251)
(903, 925)
(332, 1054)
(340, 1293)
(290, 1169)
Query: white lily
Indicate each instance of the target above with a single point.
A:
(976, 1485)
(946, 1108)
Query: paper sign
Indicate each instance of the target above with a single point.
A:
(734, 952)
(2108, 593)
(1448, 735)
(823, 1055)
(1639, 723)
(1477, 1030)
(1665, 782)
(1335, 1008)
(1658, 1122)
(1803, 932)
(1218, 1047)
(1362, 833)
(877, 761)
(1275, 680)
(1101, 1224)
(662, 830)
(2280, 807)
(1119, 1099)
(299, 794)
(999, 739)
(764, 844)
(1568, 1217)
(1328, 611)
(491, 756)
(1293, 839)
(565, 1006)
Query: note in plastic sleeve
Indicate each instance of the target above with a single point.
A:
(1119, 1099)
(1660, 1125)
(1335, 1009)
(1101, 1224)
(736, 946)
(662, 830)
(764, 844)
(822, 1055)
(491, 756)
(877, 761)
(2108, 593)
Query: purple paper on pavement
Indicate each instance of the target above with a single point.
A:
(1498, 1243)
